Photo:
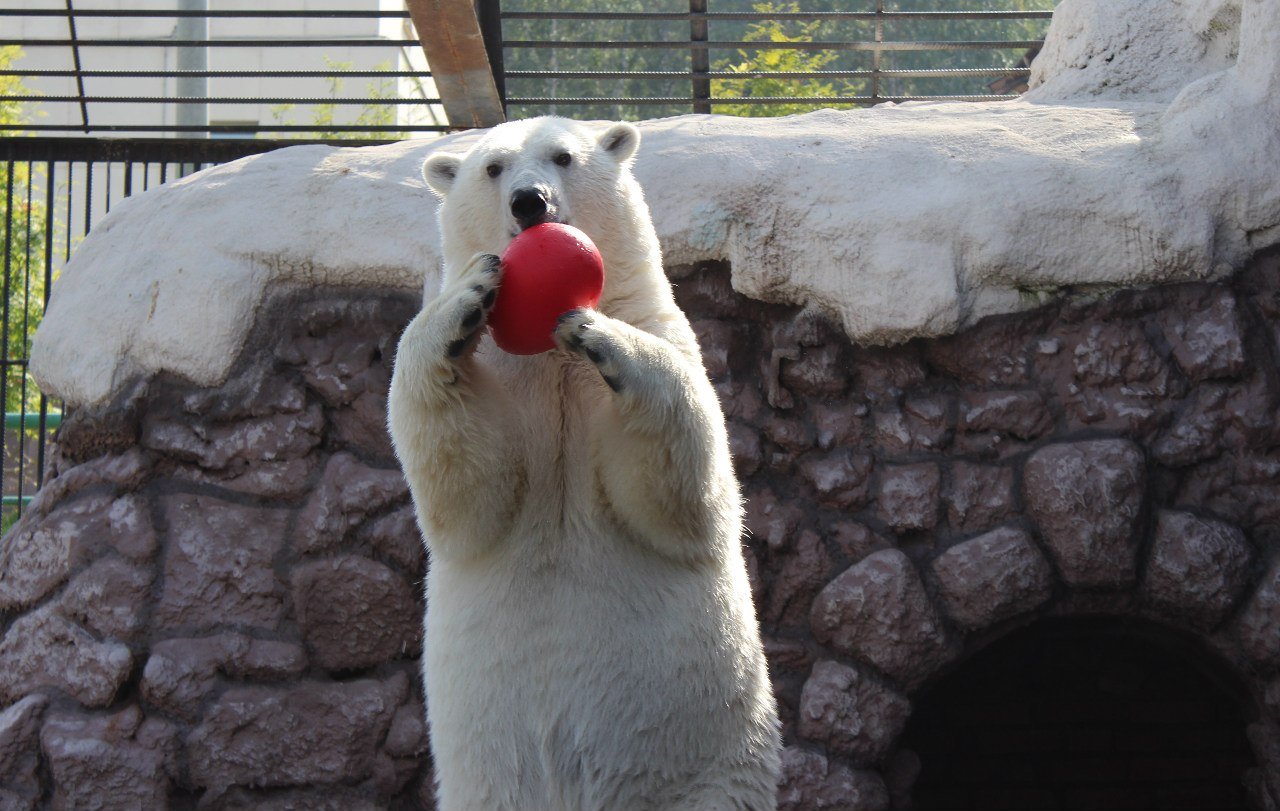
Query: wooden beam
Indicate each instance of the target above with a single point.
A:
(450, 35)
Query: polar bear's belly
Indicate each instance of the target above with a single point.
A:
(548, 685)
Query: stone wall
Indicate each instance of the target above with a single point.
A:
(216, 600)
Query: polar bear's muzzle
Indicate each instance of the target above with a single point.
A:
(531, 206)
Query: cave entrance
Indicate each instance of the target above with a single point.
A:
(1083, 714)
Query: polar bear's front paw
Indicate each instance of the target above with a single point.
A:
(476, 291)
(578, 331)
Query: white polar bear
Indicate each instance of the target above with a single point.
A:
(590, 637)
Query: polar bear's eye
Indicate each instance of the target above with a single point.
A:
(494, 169)
(563, 159)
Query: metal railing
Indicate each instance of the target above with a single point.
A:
(628, 63)
(639, 58)
(54, 190)
(73, 61)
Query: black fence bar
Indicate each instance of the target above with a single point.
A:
(222, 74)
(54, 191)
(816, 101)
(756, 74)
(245, 132)
(244, 42)
(756, 16)
(210, 13)
(948, 45)
(699, 58)
(216, 100)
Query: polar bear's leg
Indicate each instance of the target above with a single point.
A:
(451, 421)
(665, 466)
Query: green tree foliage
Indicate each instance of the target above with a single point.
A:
(767, 61)
(22, 220)
(324, 115)
(624, 62)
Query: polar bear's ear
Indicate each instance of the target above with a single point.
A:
(621, 141)
(440, 170)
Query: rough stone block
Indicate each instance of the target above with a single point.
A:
(355, 613)
(314, 733)
(838, 423)
(992, 577)
(978, 496)
(1022, 414)
(1198, 568)
(907, 498)
(840, 478)
(856, 540)
(771, 520)
(43, 649)
(220, 566)
(285, 480)
(110, 597)
(1118, 352)
(851, 714)
(810, 783)
(1086, 497)
(803, 571)
(819, 372)
(1196, 433)
(132, 533)
(396, 536)
(1205, 336)
(273, 438)
(923, 423)
(181, 673)
(120, 761)
(123, 472)
(745, 448)
(38, 556)
(790, 434)
(1259, 623)
(878, 610)
(348, 492)
(20, 753)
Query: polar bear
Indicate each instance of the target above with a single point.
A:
(590, 637)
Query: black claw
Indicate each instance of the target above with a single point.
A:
(565, 317)
(489, 298)
(494, 264)
(455, 349)
(612, 383)
(471, 319)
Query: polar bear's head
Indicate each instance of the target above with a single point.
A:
(542, 170)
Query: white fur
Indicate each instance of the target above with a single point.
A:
(591, 642)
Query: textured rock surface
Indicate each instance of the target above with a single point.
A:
(20, 752)
(850, 713)
(120, 761)
(1086, 497)
(992, 577)
(878, 611)
(902, 511)
(266, 737)
(43, 649)
(809, 781)
(1198, 567)
(355, 613)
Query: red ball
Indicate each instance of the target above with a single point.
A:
(547, 270)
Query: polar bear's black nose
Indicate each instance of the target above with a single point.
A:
(529, 206)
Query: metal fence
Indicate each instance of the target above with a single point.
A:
(54, 190)
(209, 85)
